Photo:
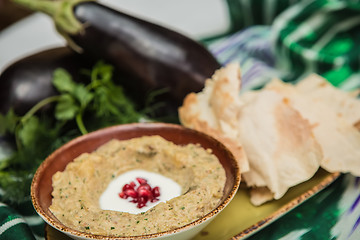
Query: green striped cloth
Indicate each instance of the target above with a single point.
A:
(307, 36)
(12, 225)
(245, 13)
(20, 221)
(320, 36)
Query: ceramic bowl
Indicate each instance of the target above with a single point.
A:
(41, 187)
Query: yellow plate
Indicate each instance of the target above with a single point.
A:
(240, 218)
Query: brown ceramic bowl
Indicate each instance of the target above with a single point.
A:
(41, 187)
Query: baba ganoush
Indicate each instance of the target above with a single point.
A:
(76, 190)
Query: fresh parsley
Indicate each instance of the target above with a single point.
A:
(77, 109)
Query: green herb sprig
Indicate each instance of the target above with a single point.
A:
(78, 109)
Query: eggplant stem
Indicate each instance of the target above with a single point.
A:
(61, 11)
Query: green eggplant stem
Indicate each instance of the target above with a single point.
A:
(61, 11)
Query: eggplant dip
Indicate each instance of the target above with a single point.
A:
(76, 190)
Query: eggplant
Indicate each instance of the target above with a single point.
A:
(29, 80)
(153, 56)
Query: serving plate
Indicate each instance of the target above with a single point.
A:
(240, 219)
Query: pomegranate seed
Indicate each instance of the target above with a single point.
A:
(122, 195)
(131, 193)
(144, 193)
(141, 181)
(145, 186)
(141, 205)
(132, 184)
(126, 187)
(142, 200)
(156, 191)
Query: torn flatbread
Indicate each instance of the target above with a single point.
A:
(339, 139)
(215, 110)
(278, 142)
(260, 195)
(317, 89)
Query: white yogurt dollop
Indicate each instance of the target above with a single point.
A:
(110, 200)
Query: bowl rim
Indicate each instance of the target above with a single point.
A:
(76, 233)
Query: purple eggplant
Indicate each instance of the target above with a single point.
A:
(28, 81)
(153, 56)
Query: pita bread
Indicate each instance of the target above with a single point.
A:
(340, 140)
(278, 142)
(343, 103)
(216, 109)
(260, 195)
